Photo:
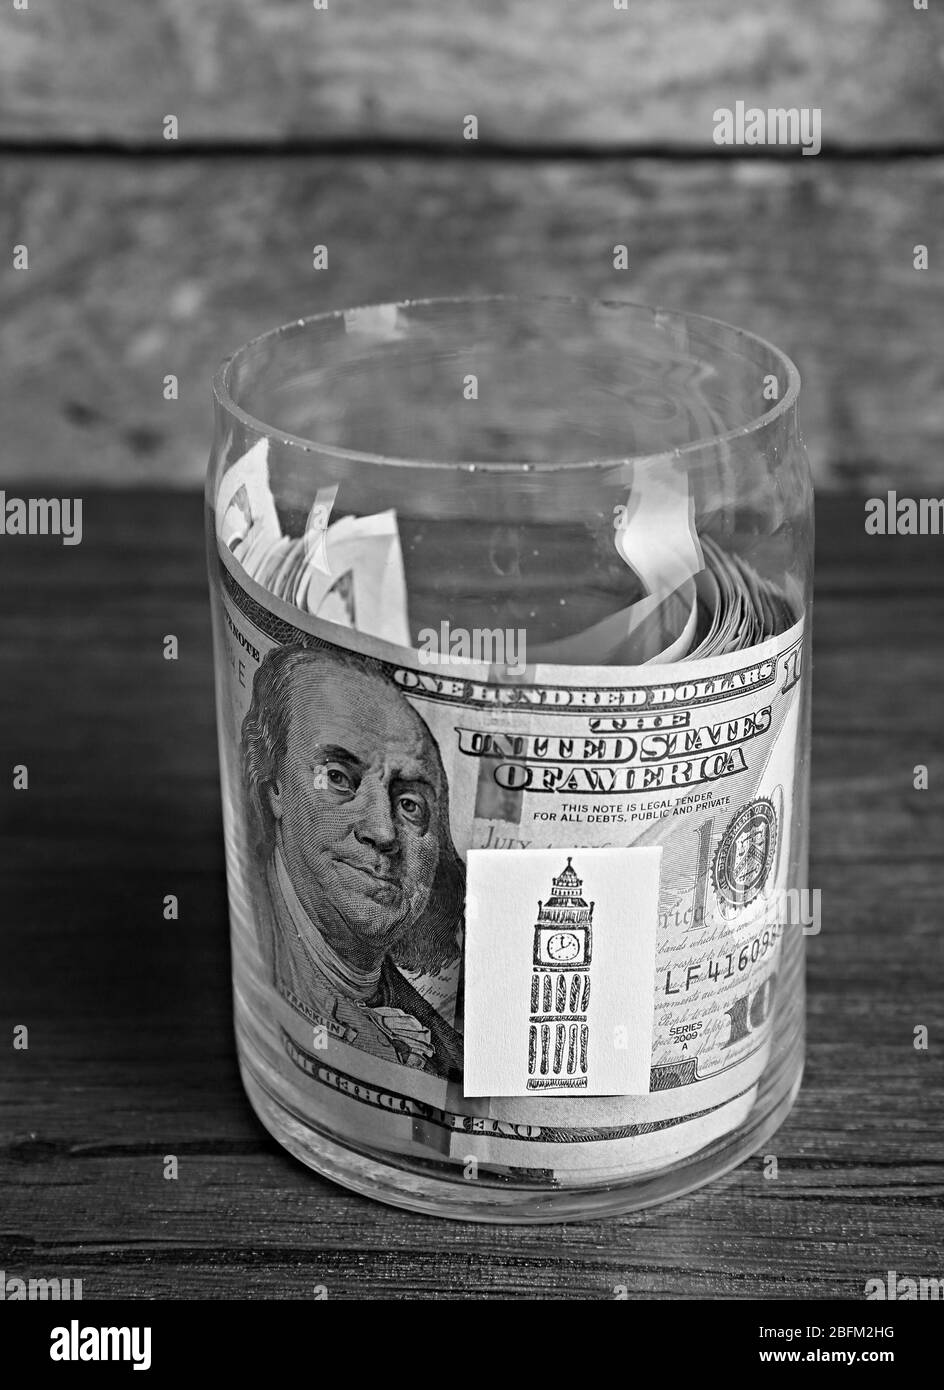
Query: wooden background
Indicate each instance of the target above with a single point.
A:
(535, 74)
(343, 127)
(149, 257)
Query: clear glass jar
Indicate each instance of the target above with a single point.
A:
(435, 529)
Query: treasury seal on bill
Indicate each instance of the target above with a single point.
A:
(746, 854)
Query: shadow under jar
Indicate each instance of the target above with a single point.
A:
(529, 577)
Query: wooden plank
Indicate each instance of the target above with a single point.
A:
(131, 1053)
(138, 270)
(537, 74)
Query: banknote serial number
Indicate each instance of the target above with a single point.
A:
(724, 967)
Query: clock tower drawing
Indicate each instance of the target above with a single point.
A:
(558, 1032)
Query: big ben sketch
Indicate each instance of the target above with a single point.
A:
(558, 1032)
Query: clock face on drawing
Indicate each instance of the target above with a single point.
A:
(563, 945)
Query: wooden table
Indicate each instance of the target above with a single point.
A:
(131, 1054)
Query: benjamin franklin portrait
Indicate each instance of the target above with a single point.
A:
(359, 879)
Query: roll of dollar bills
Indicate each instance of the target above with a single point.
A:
(514, 756)
(350, 571)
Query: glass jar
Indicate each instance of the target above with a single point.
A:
(499, 585)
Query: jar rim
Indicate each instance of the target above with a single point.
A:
(659, 313)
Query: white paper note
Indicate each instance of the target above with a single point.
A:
(559, 965)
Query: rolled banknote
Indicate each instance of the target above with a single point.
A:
(700, 601)
(708, 779)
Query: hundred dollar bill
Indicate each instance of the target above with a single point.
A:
(693, 753)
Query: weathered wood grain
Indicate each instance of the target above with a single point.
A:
(131, 1052)
(534, 73)
(139, 270)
